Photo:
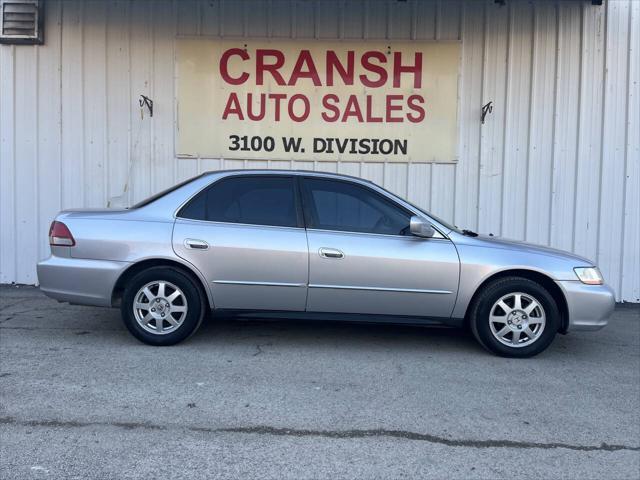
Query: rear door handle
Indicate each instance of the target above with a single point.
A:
(196, 244)
(330, 253)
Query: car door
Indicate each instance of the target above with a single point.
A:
(362, 258)
(245, 233)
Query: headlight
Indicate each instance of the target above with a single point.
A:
(589, 275)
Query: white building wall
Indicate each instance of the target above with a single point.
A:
(556, 163)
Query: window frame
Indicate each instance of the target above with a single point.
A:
(310, 216)
(296, 198)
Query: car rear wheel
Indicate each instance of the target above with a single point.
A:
(162, 306)
(514, 317)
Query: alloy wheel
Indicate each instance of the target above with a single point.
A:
(160, 307)
(517, 319)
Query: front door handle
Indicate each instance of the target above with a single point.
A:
(196, 244)
(330, 253)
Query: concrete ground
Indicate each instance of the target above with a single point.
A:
(81, 398)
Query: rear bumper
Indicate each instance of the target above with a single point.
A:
(590, 306)
(81, 281)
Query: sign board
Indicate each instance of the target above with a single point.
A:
(317, 100)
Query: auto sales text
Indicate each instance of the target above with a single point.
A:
(372, 69)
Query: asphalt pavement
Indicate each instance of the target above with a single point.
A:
(81, 398)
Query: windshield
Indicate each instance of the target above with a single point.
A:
(161, 194)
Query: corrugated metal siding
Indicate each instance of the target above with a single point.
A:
(557, 162)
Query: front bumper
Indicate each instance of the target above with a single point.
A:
(78, 280)
(590, 306)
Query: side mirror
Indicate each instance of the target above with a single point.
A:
(421, 228)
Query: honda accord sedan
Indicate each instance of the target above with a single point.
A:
(315, 246)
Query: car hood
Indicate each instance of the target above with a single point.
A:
(507, 244)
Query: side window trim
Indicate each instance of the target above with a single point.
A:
(307, 203)
(296, 198)
(311, 214)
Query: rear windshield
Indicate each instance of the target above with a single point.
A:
(161, 194)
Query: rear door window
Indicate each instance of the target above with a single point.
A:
(257, 200)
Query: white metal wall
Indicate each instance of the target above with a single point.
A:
(557, 162)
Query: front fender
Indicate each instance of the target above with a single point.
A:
(479, 263)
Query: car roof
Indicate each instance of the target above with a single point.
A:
(258, 171)
(179, 196)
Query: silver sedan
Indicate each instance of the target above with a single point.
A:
(309, 245)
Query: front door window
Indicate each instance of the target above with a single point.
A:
(343, 206)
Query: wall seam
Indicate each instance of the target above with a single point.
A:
(106, 166)
(128, 180)
(414, 25)
(294, 20)
(341, 15)
(554, 126)
(152, 77)
(174, 109)
(626, 153)
(437, 21)
(532, 84)
(605, 76)
(482, 99)
(82, 107)
(578, 129)
(60, 107)
(506, 112)
(222, 16)
(13, 152)
(36, 181)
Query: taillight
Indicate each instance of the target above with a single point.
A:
(60, 236)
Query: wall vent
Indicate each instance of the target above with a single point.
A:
(22, 22)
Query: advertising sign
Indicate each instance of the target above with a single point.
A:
(317, 100)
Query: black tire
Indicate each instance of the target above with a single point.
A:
(481, 309)
(195, 301)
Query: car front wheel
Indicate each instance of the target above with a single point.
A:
(162, 306)
(514, 317)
